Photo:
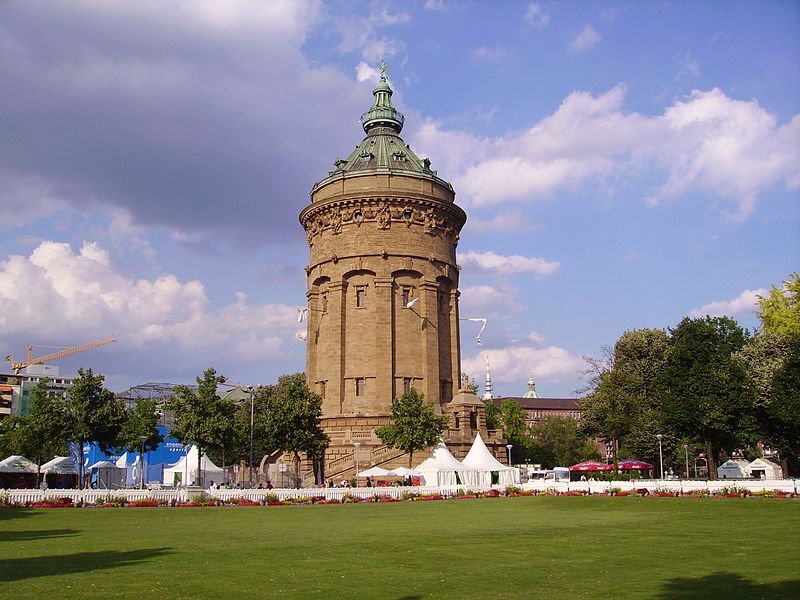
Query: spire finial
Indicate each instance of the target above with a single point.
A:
(487, 395)
(382, 113)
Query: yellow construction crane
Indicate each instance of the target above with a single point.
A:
(67, 351)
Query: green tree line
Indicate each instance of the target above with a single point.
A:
(707, 386)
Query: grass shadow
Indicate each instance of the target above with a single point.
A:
(14, 513)
(40, 534)
(17, 569)
(728, 585)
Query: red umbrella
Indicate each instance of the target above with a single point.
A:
(591, 465)
(631, 464)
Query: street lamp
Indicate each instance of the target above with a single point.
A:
(508, 447)
(142, 439)
(660, 437)
(686, 450)
(357, 446)
(249, 390)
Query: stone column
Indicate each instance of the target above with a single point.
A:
(384, 336)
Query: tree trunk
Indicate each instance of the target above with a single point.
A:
(711, 461)
(410, 458)
(198, 479)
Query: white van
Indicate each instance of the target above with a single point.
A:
(557, 474)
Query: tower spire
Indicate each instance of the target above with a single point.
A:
(487, 395)
(531, 393)
(382, 113)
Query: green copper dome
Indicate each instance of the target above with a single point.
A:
(383, 149)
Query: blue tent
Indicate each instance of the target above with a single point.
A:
(168, 453)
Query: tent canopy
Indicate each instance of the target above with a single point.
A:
(188, 465)
(442, 468)
(591, 465)
(403, 472)
(17, 464)
(631, 464)
(374, 472)
(481, 459)
(103, 464)
(60, 465)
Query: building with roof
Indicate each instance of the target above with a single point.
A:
(538, 408)
(382, 230)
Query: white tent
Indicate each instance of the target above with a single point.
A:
(766, 469)
(186, 467)
(481, 459)
(60, 465)
(374, 472)
(442, 468)
(403, 472)
(733, 469)
(106, 475)
(17, 464)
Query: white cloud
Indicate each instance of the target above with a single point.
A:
(485, 301)
(80, 296)
(513, 220)
(434, 5)
(491, 55)
(536, 16)
(366, 72)
(510, 365)
(732, 148)
(708, 142)
(498, 263)
(688, 67)
(584, 40)
(362, 34)
(746, 302)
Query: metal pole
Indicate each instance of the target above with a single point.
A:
(660, 455)
(356, 445)
(250, 389)
(686, 450)
(509, 446)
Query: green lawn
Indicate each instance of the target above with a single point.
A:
(526, 547)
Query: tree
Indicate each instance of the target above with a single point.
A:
(38, 435)
(624, 394)
(290, 420)
(703, 389)
(91, 413)
(202, 418)
(558, 442)
(140, 422)
(413, 424)
(772, 361)
(780, 310)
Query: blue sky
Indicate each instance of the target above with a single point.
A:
(623, 165)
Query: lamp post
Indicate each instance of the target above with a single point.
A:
(508, 447)
(660, 437)
(142, 439)
(357, 446)
(249, 390)
(686, 450)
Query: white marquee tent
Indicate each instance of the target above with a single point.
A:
(60, 465)
(761, 467)
(442, 468)
(734, 469)
(186, 467)
(17, 464)
(481, 459)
